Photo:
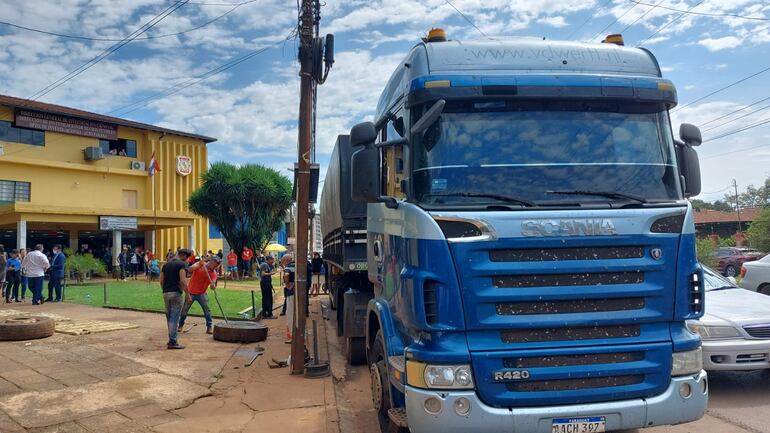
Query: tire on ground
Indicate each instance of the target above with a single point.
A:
(240, 332)
(17, 328)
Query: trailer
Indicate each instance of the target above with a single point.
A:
(344, 252)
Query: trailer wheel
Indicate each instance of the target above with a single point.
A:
(240, 332)
(17, 328)
(355, 350)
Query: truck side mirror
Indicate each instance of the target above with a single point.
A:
(690, 168)
(690, 134)
(365, 164)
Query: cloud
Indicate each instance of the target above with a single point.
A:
(720, 43)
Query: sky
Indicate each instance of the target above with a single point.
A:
(165, 77)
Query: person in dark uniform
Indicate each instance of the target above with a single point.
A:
(266, 272)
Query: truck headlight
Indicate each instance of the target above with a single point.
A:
(713, 332)
(422, 375)
(686, 363)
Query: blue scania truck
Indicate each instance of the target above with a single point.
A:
(530, 252)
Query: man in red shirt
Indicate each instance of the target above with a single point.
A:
(197, 287)
(232, 264)
(246, 255)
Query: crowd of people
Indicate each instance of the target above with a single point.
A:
(186, 279)
(21, 270)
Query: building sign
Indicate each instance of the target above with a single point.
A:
(183, 165)
(65, 124)
(117, 223)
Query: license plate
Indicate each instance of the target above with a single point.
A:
(594, 424)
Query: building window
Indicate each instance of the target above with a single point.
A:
(130, 199)
(13, 191)
(14, 134)
(120, 147)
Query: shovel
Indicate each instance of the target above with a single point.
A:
(211, 282)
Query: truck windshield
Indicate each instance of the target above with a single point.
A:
(545, 157)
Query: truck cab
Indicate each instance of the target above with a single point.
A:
(530, 248)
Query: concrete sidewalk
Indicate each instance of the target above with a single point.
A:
(126, 381)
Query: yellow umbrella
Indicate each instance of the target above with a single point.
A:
(275, 248)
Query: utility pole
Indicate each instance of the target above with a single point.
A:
(737, 206)
(307, 29)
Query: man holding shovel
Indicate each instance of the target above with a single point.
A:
(204, 275)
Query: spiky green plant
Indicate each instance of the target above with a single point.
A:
(247, 203)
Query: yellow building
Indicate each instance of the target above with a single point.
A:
(81, 179)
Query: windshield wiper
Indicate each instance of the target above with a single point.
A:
(498, 197)
(608, 194)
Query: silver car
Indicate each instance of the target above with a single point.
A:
(735, 327)
(756, 275)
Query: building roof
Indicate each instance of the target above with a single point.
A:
(716, 216)
(67, 111)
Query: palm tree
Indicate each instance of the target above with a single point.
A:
(247, 203)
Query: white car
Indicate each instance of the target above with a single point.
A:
(735, 327)
(756, 275)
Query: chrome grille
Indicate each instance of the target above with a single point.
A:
(569, 306)
(558, 280)
(570, 360)
(568, 334)
(561, 254)
(575, 384)
(758, 331)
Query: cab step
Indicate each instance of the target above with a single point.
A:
(398, 417)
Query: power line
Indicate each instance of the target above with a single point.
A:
(640, 17)
(722, 89)
(664, 26)
(467, 19)
(612, 23)
(590, 17)
(176, 88)
(733, 112)
(104, 54)
(149, 37)
(737, 118)
(745, 128)
(707, 14)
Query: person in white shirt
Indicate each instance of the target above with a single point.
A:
(35, 264)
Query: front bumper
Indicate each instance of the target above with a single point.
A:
(664, 409)
(737, 354)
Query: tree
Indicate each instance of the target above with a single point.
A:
(752, 196)
(759, 231)
(720, 205)
(247, 203)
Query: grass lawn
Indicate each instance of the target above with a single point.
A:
(149, 297)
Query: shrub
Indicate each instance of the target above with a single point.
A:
(83, 266)
(704, 250)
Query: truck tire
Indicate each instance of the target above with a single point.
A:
(17, 328)
(355, 350)
(378, 370)
(240, 332)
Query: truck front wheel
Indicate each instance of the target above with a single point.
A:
(381, 385)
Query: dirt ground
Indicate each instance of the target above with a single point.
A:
(127, 381)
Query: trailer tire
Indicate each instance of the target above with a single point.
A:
(355, 350)
(240, 332)
(17, 328)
